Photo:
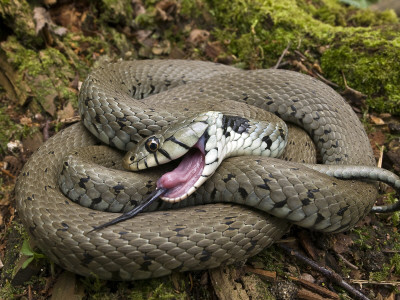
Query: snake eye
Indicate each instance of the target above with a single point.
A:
(152, 144)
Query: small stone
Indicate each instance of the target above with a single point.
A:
(394, 128)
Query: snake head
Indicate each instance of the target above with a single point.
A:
(183, 139)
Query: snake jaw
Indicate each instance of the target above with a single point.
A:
(187, 177)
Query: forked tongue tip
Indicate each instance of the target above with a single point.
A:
(138, 209)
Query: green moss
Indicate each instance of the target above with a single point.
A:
(9, 130)
(364, 238)
(8, 291)
(151, 289)
(18, 16)
(272, 259)
(361, 44)
(117, 11)
(369, 63)
(46, 73)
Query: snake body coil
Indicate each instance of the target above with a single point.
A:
(192, 238)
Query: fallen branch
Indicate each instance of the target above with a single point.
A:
(267, 275)
(316, 288)
(334, 277)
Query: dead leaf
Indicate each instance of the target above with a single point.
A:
(41, 17)
(66, 113)
(32, 142)
(49, 2)
(138, 7)
(167, 9)
(142, 35)
(342, 243)
(214, 49)
(198, 36)
(377, 120)
(60, 31)
(25, 121)
(162, 48)
(48, 103)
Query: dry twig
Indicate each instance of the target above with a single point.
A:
(282, 56)
(334, 277)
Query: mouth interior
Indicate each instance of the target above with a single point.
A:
(186, 174)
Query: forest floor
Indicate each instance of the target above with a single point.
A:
(46, 52)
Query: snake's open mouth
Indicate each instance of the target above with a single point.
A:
(185, 175)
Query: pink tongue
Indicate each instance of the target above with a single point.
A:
(184, 176)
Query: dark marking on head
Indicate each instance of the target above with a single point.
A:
(155, 158)
(305, 201)
(238, 124)
(266, 139)
(174, 140)
(165, 153)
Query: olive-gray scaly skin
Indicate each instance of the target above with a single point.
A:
(193, 238)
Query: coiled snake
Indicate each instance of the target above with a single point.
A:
(192, 238)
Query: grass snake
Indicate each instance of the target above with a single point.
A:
(124, 103)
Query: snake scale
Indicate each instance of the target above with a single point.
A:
(122, 103)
